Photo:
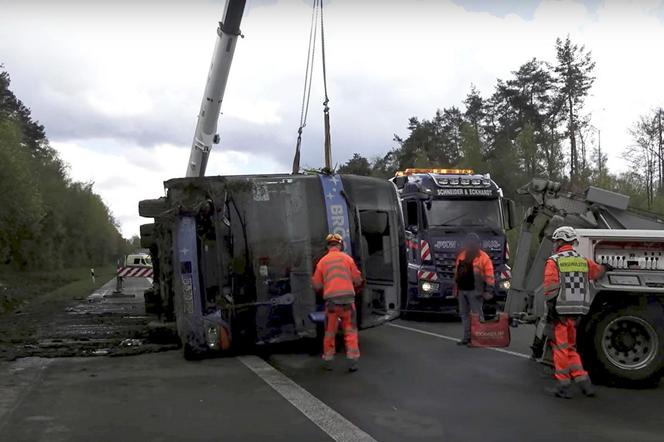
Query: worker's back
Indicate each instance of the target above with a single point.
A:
(338, 275)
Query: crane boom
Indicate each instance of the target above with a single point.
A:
(208, 117)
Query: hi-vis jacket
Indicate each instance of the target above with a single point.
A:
(482, 268)
(566, 277)
(337, 276)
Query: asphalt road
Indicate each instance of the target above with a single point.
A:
(411, 386)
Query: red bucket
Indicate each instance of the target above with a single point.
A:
(493, 333)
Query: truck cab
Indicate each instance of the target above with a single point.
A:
(440, 207)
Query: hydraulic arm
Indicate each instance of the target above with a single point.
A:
(552, 208)
(208, 117)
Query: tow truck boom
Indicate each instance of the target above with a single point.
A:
(208, 117)
(620, 338)
(552, 208)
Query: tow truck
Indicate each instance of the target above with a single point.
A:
(440, 207)
(233, 255)
(621, 339)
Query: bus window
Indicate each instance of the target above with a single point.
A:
(376, 245)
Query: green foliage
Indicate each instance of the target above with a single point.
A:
(524, 128)
(471, 147)
(21, 203)
(358, 165)
(574, 70)
(46, 220)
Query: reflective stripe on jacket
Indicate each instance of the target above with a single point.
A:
(566, 276)
(337, 276)
(482, 267)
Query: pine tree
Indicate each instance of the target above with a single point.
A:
(574, 70)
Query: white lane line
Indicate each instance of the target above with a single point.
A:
(450, 338)
(335, 425)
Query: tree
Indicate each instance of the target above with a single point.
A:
(475, 109)
(471, 147)
(527, 151)
(644, 156)
(431, 142)
(19, 196)
(47, 221)
(358, 165)
(660, 148)
(385, 167)
(600, 172)
(574, 70)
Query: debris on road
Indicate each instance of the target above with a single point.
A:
(95, 326)
(131, 343)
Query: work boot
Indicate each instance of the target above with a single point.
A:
(537, 349)
(563, 391)
(463, 342)
(353, 365)
(327, 364)
(586, 388)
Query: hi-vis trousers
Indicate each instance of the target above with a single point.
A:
(566, 359)
(333, 314)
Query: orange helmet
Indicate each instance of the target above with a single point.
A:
(334, 238)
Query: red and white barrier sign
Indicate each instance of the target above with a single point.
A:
(135, 272)
(425, 251)
(427, 276)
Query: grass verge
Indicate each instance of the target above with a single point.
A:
(22, 289)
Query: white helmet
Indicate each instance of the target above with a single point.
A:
(565, 234)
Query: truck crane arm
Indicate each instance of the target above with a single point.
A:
(619, 338)
(206, 127)
(595, 209)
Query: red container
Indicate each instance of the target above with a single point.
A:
(493, 333)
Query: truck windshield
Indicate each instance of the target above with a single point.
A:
(467, 213)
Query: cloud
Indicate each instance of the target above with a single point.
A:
(124, 175)
(120, 83)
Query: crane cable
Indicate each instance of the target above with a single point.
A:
(326, 108)
(306, 95)
(306, 92)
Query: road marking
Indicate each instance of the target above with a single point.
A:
(332, 423)
(450, 338)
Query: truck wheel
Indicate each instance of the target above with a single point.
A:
(626, 346)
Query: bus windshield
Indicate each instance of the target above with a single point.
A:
(464, 213)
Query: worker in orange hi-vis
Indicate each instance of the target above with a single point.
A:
(473, 281)
(567, 295)
(338, 277)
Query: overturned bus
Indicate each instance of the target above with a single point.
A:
(233, 255)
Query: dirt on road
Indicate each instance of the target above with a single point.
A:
(101, 323)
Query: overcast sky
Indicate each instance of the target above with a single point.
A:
(118, 83)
